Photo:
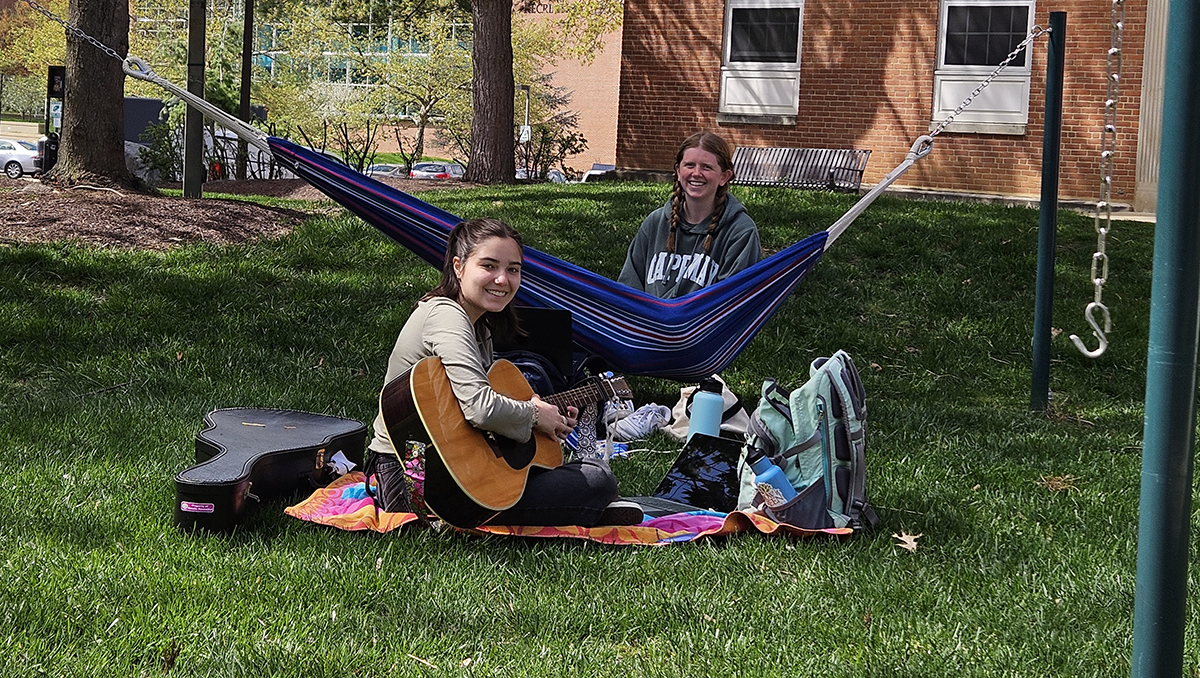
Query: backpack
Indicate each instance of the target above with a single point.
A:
(818, 435)
(543, 376)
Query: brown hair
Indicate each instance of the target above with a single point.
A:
(465, 238)
(720, 147)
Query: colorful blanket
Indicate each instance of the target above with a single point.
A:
(344, 504)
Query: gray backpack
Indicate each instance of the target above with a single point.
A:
(818, 435)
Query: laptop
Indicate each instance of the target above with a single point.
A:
(548, 333)
(703, 477)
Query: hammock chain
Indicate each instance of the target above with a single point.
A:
(1034, 33)
(73, 30)
(137, 68)
(1103, 221)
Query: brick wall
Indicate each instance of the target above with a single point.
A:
(867, 82)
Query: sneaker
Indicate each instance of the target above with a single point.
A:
(645, 420)
(620, 513)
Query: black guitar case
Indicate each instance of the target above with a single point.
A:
(248, 455)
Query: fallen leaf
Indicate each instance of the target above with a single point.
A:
(319, 363)
(908, 542)
(465, 662)
(1058, 483)
(179, 356)
(877, 367)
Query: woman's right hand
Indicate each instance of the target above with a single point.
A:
(552, 422)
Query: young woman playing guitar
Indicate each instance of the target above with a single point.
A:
(455, 321)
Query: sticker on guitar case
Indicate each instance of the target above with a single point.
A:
(196, 507)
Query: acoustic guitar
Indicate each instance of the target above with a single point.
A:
(473, 474)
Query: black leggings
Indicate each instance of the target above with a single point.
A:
(572, 494)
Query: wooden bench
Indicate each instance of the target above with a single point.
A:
(830, 169)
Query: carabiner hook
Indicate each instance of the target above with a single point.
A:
(1090, 314)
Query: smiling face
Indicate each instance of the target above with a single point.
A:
(490, 276)
(700, 174)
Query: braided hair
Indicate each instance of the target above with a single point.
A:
(723, 150)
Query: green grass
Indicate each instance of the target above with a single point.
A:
(111, 359)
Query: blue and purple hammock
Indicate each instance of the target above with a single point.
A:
(684, 339)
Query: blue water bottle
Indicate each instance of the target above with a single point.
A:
(774, 487)
(707, 408)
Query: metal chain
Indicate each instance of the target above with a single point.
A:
(1034, 33)
(1103, 221)
(139, 69)
(74, 30)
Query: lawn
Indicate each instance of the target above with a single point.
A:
(1027, 522)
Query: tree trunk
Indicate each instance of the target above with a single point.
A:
(492, 93)
(92, 147)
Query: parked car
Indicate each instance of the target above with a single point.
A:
(380, 171)
(553, 176)
(598, 170)
(19, 157)
(436, 170)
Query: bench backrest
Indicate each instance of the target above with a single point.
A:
(836, 169)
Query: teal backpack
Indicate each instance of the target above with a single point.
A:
(818, 435)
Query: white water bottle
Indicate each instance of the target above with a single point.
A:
(707, 409)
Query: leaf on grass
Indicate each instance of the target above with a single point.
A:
(1058, 483)
(319, 363)
(465, 662)
(179, 356)
(877, 367)
(908, 542)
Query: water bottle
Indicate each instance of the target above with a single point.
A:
(707, 408)
(772, 484)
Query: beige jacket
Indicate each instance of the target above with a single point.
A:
(440, 327)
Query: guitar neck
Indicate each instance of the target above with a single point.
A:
(577, 397)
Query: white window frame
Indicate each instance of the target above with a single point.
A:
(760, 89)
(1001, 108)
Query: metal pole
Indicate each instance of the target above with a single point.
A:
(1169, 436)
(1048, 212)
(193, 120)
(247, 59)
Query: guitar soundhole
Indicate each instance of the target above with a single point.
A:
(517, 455)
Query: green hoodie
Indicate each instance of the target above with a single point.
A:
(650, 268)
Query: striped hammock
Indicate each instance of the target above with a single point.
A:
(683, 339)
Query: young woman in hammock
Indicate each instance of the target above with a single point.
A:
(455, 321)
(702, 234)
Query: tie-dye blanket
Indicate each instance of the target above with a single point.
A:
(344, 504)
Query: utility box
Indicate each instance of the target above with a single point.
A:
(48, 149)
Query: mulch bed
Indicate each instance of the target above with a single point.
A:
(33, 212)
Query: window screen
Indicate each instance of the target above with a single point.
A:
(983, 35)
(765, 35)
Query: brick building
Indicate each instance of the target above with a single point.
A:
(877, 74)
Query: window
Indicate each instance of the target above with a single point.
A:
(764, 35)
(974, 36)
(760, 72)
